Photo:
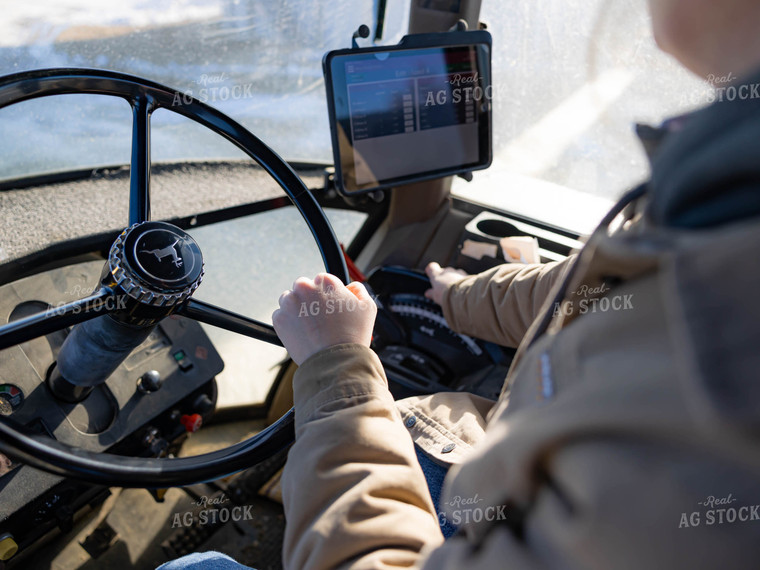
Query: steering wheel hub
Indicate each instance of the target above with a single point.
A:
(156, 264)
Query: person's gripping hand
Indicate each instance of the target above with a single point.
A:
(318, 314)
(441, 279)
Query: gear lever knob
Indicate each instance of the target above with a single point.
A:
(149, 382)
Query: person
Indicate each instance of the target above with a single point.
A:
(627, 434)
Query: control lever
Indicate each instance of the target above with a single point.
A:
(149, 382)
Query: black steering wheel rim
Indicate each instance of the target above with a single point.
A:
(145, 96)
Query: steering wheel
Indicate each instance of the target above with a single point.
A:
(153, 270)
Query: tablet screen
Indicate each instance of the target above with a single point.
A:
(401, 115)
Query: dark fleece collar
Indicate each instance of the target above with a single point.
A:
(707, 172)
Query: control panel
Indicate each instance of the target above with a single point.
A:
(163, 390)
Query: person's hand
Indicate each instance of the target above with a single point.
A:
(441, 279)
(322, 313)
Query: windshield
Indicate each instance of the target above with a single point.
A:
(258, 61)
(570, 79)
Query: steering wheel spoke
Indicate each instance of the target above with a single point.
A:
(139, 171)
(57, 318)
(211, 315)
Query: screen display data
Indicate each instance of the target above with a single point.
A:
(408, 114)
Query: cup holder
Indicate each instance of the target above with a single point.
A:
(485, 228)
(497, 228)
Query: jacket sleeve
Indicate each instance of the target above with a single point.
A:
(500, 304)
(353, 491)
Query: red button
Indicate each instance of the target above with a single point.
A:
(192, 422)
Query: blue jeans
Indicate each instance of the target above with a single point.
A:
(434, 474)
(204, 561)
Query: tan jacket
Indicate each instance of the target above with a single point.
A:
(627, 438)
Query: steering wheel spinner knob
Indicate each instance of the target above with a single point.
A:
(156, 263)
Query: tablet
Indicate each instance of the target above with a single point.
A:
(411, 112)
